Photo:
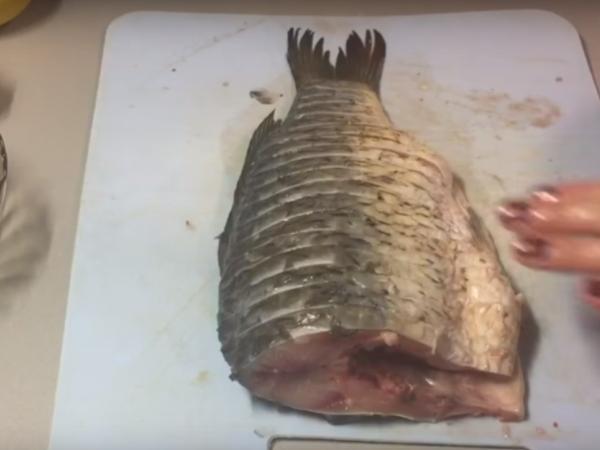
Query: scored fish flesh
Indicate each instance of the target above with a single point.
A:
(355, 277)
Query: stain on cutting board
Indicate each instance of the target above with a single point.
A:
(202, 377)
(538, 112)
(413, 83)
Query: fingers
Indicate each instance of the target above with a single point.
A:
(558, 228)
(559, 252)
(570, 208)
(515, 216)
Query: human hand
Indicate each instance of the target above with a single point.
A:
(558, 228)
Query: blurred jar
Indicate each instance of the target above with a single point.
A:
(9, 9)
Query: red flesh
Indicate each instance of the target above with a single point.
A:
(367, 373)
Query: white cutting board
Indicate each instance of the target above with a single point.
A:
(507, 97)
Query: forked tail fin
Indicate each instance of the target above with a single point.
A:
(361, 61)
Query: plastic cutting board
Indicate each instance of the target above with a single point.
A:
(506, 97)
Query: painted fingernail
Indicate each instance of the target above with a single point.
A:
(512, 210)
(592, 292)
(531, 248)
(593, 288)
(546, 194)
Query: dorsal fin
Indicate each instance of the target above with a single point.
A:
(262, 132)
(264, 129)
(268, 126)
(361, 61)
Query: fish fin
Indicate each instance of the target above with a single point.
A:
(262, 132)
(361, 61)
(307, 62)
(268, 126)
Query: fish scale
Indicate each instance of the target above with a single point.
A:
(348, 236)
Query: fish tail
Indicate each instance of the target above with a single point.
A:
(307, 62)
(361, 61)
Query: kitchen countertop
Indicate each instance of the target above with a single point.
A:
(49, 72)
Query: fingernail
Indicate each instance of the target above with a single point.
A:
(546, 194)
(592, 292)
(531, 248)
(593, 288)
(512, 210)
